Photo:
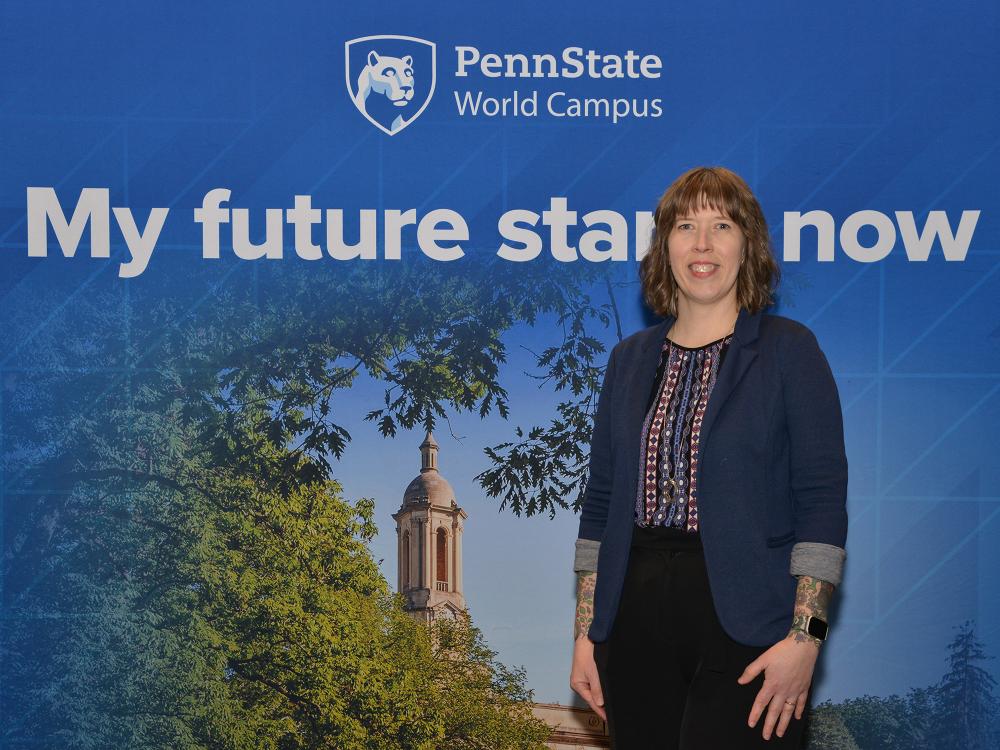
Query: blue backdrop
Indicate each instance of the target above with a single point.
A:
(841, 108)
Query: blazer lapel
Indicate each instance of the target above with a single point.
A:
(742, 351)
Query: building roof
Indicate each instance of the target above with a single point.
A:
(429, 487)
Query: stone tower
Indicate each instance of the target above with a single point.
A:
(429, 527)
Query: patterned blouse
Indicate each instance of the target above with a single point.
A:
(668, 482)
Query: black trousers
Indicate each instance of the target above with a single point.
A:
(668, 670)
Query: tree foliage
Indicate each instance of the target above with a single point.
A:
(960, 711)
(182, 569)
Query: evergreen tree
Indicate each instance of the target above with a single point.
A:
(967, 707)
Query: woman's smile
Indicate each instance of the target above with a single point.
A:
(703, 270)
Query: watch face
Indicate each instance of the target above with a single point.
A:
(817, 628)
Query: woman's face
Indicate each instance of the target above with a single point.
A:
(705, 247)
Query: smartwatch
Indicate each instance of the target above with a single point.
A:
(816, 627)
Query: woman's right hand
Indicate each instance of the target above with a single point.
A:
(583, 676)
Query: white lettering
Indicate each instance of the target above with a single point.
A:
(559, 218)
(885, 236)
(617, 238)
(394, 223)
(210, 215)
(917, 245)
(794, 222)
(140, 245)
(576, 63)
(91, 208)
(429, 234)
(271, 248)
(466, 56)
(337, 247)
(510, 229)
(302, 217)
(954, 246)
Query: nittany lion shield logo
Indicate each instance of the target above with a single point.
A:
(390, 78)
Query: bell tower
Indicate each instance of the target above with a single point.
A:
(429, 527)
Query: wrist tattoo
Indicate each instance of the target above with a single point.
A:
(798, 631)
(585, 583)
(812, 597)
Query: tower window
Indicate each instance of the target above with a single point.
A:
(442, 556)
(406, 561)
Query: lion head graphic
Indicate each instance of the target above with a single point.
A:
(390, 78)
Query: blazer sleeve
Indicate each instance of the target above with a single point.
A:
(597, 494)
(818, 459)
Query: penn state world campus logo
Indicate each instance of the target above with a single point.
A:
(390, 78)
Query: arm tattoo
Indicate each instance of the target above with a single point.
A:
(812, 597)
(585, 583)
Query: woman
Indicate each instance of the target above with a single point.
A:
(714, 520)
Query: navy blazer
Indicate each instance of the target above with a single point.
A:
(772, 470)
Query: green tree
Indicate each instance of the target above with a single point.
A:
(826, 729)
(183, 570)
(873, 722)
(486, 705)
(967, 707)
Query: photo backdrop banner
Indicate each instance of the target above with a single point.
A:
(265, 262)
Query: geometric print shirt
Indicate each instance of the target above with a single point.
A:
(668, 470)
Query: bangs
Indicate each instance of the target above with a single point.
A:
(705, 188)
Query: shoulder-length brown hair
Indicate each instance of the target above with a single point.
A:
(722, 190)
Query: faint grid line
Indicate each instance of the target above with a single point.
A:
(595, 159)
(954, 306)
(833, 297)
(961, 177)
(229, 147)
(941, 437)
(350, 152)
(857, 149)
(504, 166)
(878, 380)
(225, 276)
(881, 618)
(755, 127)
(879, 443)
(458, 170)
(101, 268)
(930, 498)
(86, 157)
(117, 118)
(4, 490)
(213, 288)
(108, 264)
(97, 147)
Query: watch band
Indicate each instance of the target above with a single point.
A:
(815, 627)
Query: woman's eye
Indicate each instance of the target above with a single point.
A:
(723, 225)
(684, 226)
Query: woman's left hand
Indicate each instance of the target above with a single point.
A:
(788, 669)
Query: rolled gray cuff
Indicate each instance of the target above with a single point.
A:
(586, 556)
(819, 560)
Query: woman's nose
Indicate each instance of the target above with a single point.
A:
(703, 238)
